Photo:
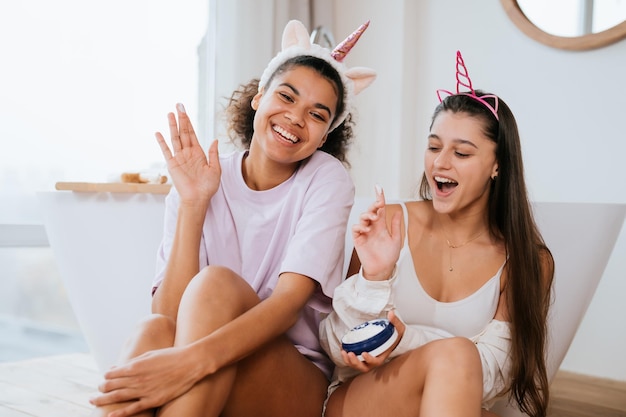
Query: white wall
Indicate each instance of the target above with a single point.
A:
(570, 107)
(244, 35)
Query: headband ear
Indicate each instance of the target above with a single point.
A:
(296, 42)
(295, 34)
(361, 77)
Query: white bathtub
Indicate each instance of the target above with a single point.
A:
(105, 246)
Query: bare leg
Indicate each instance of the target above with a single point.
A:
(274, 381)
(213, 298)
(277, 381)
(441, 378)
(154, 332)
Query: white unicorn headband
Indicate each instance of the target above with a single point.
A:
(296, 42)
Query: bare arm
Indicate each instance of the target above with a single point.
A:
(262, 323)
(196, 179)
(183, 262)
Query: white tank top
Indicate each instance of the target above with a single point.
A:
(466, 317)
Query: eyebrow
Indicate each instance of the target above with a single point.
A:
(316, 105)
(457, 141)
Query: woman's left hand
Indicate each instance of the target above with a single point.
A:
(370, 362)
(377, 246)
(148, 381)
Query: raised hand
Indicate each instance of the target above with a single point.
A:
(377, 246)
(196, 179)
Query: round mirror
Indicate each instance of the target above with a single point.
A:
(568, 24)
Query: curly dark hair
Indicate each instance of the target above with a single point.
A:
(240, 114)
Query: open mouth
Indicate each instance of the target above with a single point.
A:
(445, 184)
(286, 135)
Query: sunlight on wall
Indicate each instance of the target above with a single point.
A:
(84, 85)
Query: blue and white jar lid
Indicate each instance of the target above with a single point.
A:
(373, 336)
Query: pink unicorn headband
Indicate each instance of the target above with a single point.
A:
(463, 79)
(296, 42)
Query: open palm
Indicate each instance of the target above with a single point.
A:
(195, 177)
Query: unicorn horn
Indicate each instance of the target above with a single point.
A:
(340, 52)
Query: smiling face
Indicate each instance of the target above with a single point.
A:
(459, 163)
(293, 115)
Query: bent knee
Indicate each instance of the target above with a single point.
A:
(158, 327)
(459, 350)
(215, 284)
(152, 332)
(455, 345)
(216, 277)
(455, 355)
(213, 271)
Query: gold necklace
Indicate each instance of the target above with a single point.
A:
(451, 246)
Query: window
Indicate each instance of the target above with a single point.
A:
(83, 87)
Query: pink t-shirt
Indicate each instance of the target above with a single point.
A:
(298, 226)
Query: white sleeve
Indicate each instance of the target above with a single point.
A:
(355, 301)
(358, 300)
(494, 345)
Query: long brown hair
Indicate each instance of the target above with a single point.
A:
(529, 259)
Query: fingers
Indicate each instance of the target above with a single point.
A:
(397, 323)
(380, 203)
(111, 384)
(165, 150)
(371, 361)
(377, 209)
(120, 371)
(113, 397)
(182, 134)
(359, 229)
(174, 134)
(353, 361)
(131, 408)
(367, 363)
(134, 407)
(373, 213)
(185, 130)
(380, 194)
(121, 396)
(391, 316)
(380, 199)
(214, 157)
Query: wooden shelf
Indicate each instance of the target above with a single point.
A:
(113, 187)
